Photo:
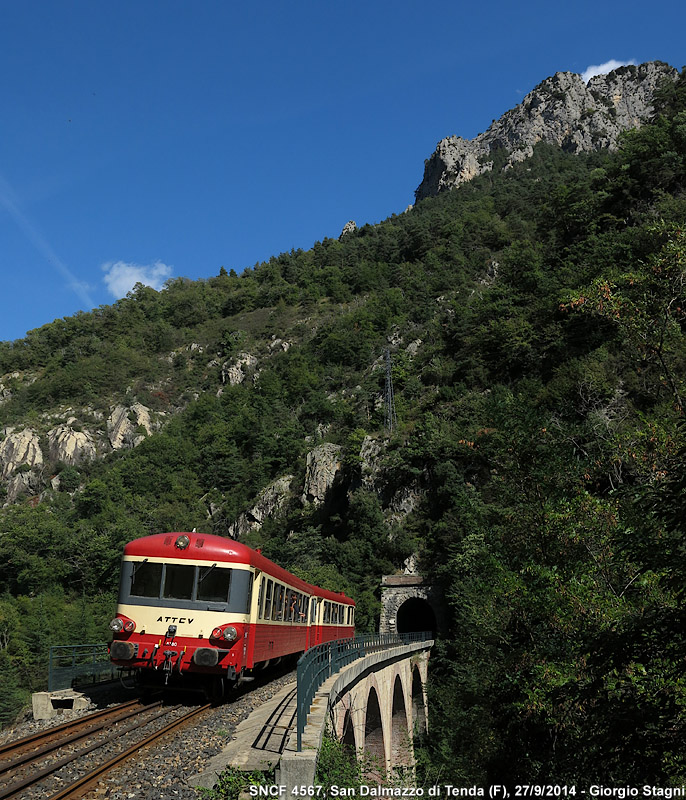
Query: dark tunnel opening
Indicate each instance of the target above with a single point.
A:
(415, 615)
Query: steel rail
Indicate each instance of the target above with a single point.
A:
(86, 782)
(13, 789)
(25, 741)
(54, 741)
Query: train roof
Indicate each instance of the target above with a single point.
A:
(209, 547)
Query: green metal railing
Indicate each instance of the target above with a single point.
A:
(78, 664)
(324, 660)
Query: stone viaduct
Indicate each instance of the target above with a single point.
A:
(375, 705)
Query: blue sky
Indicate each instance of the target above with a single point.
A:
(153, 139)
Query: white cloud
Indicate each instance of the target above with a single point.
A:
(121, 277)
(603, 69)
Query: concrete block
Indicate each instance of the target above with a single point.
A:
(42, 705)
(80, 703)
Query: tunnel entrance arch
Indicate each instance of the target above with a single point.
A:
(408, 604)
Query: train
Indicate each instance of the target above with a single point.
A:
(197, 610)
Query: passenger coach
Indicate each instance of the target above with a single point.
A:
(203, 606)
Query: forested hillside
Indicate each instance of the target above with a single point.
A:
(536, 323)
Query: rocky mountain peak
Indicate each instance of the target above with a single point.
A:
(561, 110)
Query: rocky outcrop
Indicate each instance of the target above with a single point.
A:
(279, 344)
(370, 466)
(18, 449)
(5, 390)
(70, 446)
(128, 427)
(236, 372)
(323, 464)
(21, 483)
(270, 502)
(403, 502)
(349, 227)
(562, 110)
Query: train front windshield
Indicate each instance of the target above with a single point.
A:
(185, 586)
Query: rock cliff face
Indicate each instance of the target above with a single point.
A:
(562, 110)
(125, 426)
(17, 449)
(323, 464)
(70, 446)
(235, 372)
(269, 502)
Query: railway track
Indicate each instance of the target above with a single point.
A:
(69, 760)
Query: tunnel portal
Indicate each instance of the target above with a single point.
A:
(409, 605)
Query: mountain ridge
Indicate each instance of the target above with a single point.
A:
(561, 110)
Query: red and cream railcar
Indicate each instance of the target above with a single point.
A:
(195, 604)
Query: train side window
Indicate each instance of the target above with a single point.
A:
(146, 579)
(178, 581)
(313, 611)
(260, 597)
(300, 608)
(283, 603)
(268, 600)
(277, 605)
(327, 612)
(214, 584)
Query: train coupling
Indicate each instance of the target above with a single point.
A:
(167, 666)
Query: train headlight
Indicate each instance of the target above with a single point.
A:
(182, 542)
(117, 625)
(230, 633)
(129, 626)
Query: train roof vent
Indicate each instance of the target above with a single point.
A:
(167, 539)
(199, 542)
